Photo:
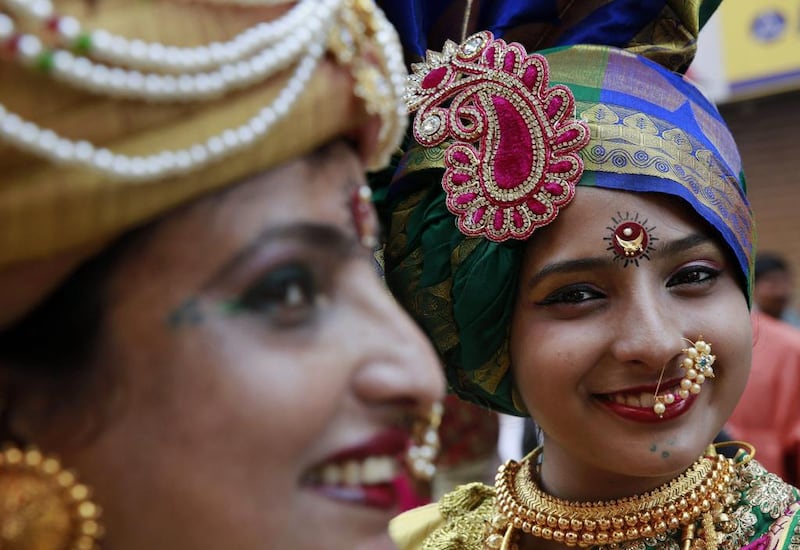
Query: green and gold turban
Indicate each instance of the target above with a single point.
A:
(501, 139)
(112, 112)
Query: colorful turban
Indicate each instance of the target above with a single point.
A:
(113, 112)
(464, 199)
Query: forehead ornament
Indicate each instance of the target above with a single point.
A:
(513, 162)
(630, 240)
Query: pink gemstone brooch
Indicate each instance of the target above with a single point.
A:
(513, 162)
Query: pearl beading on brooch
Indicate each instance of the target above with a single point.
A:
(311, 35)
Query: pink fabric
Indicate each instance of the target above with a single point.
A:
(761, 543)
(768, 414)
(513, 161)
(408, 495)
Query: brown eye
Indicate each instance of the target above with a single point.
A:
(571, 295)
(286, 295)
(694, 275)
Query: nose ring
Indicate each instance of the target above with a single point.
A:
(697, 368)
(421, 454)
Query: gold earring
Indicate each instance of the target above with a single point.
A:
(421, 454)
(697, 367)
(42, 505)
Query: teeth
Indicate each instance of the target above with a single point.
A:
(633, 401)
(331, 475)
(643, 400)
(351, 473)
(370, 471)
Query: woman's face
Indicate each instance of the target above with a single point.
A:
(265, 374)
(593, 330)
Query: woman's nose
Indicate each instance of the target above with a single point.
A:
(646, 332)
(399, 363)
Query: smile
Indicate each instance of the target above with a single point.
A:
(365, 475)
(637, 404)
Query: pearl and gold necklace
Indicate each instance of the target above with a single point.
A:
(701, 494)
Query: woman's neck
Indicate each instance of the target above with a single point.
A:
(561, 476)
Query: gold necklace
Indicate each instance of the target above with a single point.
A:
(702, 493)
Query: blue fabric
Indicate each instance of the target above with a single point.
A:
(612, 24)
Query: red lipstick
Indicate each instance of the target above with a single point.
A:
(364, 474)
(646, 414)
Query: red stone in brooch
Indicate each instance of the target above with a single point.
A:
(513, 162)
(630, 240)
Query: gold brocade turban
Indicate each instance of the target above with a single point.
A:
(115, 111)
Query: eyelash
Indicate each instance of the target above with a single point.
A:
(580, 294)
(570, 296)
(706, 275)
(287, 295)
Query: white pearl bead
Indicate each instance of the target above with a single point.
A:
(69, 28)
(684, 394)
(29, 47)
(686, 383)
(659, 408)
(41, 9)
(669, 398)
(691, 374)
(6, 26)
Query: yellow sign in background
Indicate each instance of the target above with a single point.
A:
(761, 45)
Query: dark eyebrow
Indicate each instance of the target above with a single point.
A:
(328, 238)
(569, 266)
(668, 248)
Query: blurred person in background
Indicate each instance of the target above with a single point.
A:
(768, 414)
(190, 315)
(774, 287)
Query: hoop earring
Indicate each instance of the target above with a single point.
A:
(697, 367)
(43, 505)
(421, 454)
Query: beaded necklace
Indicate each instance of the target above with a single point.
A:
(701, 494)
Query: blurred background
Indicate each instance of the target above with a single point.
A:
(749, 64)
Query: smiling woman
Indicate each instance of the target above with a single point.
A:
(190, 315)
(571, 229)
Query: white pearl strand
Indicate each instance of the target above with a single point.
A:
(46, 143)
(138, 54)
(82, 73)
